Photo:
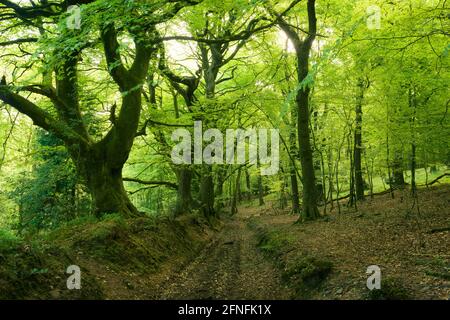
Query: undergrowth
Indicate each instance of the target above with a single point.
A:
(391, 289)
(35, 268)
(304, 273)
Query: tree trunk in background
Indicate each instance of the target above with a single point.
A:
(357, 156)
(211, 65)
(236, 193)
(260, 191)
(330, 178)
(369, 170)
(292, 169)
(219, 199)
(310, 210)
(248, 184)
(207, 191)
(185, 87)
(184, 196)
(317, 155)
(238, 186)
(352, 194)
(413, 169)
(294, 189)
(283, 196)
(395, 165)
(412, 104)
(398, 179)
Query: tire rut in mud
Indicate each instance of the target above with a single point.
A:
(229, 268)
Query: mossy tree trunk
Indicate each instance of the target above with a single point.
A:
(260, 190)
(358, 147)
(398, 178)
(212, 61)
(293, 174)
(207, 195)
(303, 49)
(99, 163)
(185, 202)
(106, 186)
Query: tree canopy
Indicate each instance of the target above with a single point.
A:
(358, 92)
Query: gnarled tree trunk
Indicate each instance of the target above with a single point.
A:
(107, 190)
(185, 201)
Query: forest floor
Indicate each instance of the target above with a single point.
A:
(410, 244)
(260, 253)
(230, 267)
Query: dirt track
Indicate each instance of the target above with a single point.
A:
(231, 268)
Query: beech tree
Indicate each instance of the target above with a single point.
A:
(303, 49)
(99, 162)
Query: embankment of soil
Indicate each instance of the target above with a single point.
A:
(119, 258)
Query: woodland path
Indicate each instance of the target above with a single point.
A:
(231, 267)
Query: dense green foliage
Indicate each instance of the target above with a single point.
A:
(137, 70)
(48, 195)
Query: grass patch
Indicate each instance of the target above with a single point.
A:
(36, 267)
(391, 289)
(437, 267)
(273, 243)
(437, 274)
(35, 272)
(8, 241)
(306, 274)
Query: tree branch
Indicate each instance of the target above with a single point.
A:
(151, 182)
(438, 178)
(111, 47)
(244, 35)
(39, 117)
(18, 41)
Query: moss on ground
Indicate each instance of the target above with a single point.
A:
(391, 289)
(437, 267)
(305, 274)
(8, 241)
(272, 243)
(33, 271)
